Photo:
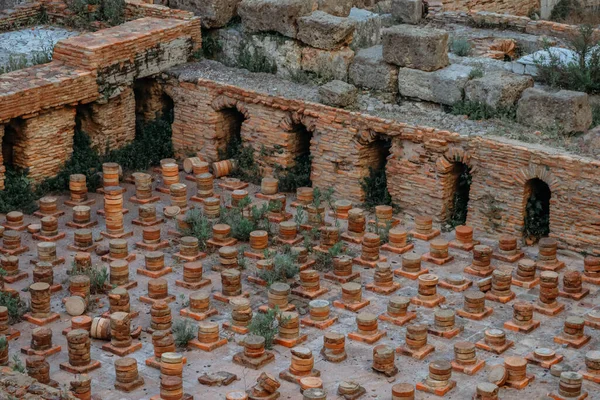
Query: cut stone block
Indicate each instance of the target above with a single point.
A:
(340, 8)
(274, 15)
(444, 86)
(367, 31)
(328, 64)
(448, 84)
(325, 31)
(338, 94)
(412, 47)
(497, 89)
(407, 11)
(568, 110)
(212, 13)
(370, 71)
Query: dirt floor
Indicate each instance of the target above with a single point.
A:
(358, 365)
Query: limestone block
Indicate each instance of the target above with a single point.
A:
(568, 110)
(274, 15)
(338, 94)
(407, 11)
(370, 71)
(415, 83)
(448, 84)
(212, 13)
(497, 88)
(325, 31)
(228, 44)
(340, 8)
(367, 28)
(418, 48)
(285, 53)
(332, 64)
(444, 86)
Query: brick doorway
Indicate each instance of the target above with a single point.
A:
(229, 132)
(536, 209)
(457, 200)
(11, 142)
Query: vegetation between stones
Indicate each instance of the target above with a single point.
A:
(183, 331)
(375, 189)
(580, 74)
(267, 325)
(16, 307)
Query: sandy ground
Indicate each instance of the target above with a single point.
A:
(358, 365)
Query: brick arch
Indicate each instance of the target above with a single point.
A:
(222, 102)
(444, 163)
(366, 137)
(294, 118)
(448, 177)
(524, 175)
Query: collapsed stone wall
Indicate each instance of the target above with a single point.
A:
(513, 7)
(418, 167)
(512, 22)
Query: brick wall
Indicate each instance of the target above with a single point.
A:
(130, 51)
(45, 142)
(110, 123)
(18, 15)
(42, 87)
(514, 7)
(420, 169)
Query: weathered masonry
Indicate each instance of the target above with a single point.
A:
(421, 165)
(92, 80)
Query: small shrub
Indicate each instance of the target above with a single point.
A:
(3, 343)
(475, 73)
(376, 189)
(18, 364)
(297, 176)
(99, 277)
(247, 169)
(200, 228)
(461, 47)
(183, 331)
(580, 74)
(478, 111)
(16, 307)
(284, 268)
(564, 9)
(266, 325)
(112, 12)
(382, 231)
(324, 261)
(18, 193)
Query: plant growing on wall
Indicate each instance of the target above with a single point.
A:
(296, 176)
(375, 189)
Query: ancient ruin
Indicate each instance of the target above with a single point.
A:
(301, 199)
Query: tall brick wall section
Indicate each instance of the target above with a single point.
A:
(110, 124)
(419, 168)
(45, 142)
(514, 7)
